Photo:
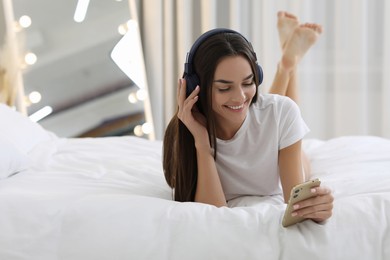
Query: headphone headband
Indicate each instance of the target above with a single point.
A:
(199, 41)
(190, 76)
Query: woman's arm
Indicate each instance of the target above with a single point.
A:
(290, 168)
(318, 208)
(208, 188)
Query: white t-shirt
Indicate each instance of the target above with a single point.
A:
(248, 163)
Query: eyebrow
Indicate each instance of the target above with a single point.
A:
(229, 82)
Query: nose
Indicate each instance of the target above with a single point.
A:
(239, 95)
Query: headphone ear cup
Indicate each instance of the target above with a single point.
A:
(192, 81)
(260, 73)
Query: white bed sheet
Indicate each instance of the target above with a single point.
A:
(106, 198)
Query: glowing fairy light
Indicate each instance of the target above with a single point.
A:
(30, 58)
(35, 97)
(25, 21)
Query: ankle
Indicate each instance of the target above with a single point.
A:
(287, 65)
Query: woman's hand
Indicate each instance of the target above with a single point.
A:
(190, 116)
(318, 208)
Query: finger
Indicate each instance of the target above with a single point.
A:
(189, 102)
(185, 113)
(194, 93)
(323, 195)
(182, 99)
(186, 107)
(311, 211)
(319, 216)
(321, 190)
(181, 91)
(316, 202)
(178, 88)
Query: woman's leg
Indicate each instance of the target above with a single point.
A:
(295, 41)
(287, 23)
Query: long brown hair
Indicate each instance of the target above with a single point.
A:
(179, 152)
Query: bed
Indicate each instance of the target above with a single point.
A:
(106, 198)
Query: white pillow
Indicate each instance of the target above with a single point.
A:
(20, 130)
(12, 160)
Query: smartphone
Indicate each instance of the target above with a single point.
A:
(298, 193)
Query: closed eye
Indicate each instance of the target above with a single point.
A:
(248, 84)
(223, 89)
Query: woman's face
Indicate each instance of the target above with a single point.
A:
(232, 92)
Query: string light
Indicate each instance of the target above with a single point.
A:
(138, 130)
(30, 58)
(25, 21)
(35, 97)
(133, 98)
(131, 23)
(122, 29)
(144, 129)
(141, 94)
(147, 128)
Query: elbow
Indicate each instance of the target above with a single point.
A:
(217, 203)
(220, 205)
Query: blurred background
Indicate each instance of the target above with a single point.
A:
(344, 83)
(72, 85)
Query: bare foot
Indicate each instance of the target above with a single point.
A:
(286, 25)
(303, 37)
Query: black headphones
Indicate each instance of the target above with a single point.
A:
(190, 76)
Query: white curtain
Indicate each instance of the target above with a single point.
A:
(344, 79)
(11, 80)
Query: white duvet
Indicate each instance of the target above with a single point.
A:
(106, 198)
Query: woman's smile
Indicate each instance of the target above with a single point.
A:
(236, 107)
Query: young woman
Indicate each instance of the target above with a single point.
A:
(227, 139)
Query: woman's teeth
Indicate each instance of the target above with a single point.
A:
(236, 107)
